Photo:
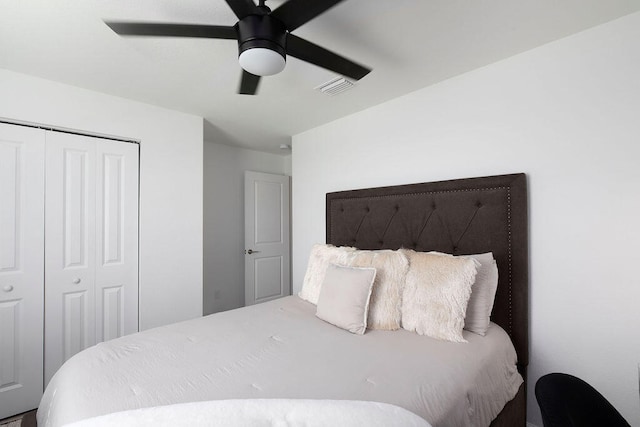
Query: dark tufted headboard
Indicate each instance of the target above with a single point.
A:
(460, 217)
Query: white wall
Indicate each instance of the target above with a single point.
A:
(170, 182)
(224, 168)
(568, 115)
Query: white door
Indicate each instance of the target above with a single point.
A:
(21, 267)
(116, 279)
(91, 253)
(267, 253)
(70, 247)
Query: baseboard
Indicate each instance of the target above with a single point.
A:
(531, 424)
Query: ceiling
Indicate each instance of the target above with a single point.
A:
(409, 44)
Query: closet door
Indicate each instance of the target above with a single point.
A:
(69, 248)
(21, 267)
(116, 239)
(91, 257)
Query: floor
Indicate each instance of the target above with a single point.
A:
(28, 419)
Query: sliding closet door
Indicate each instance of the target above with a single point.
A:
(91, 261)
(70, 247)
(116, 239)
(21, 267)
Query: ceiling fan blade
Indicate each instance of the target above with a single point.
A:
(295, 13)
(172, 30)
(309, 52)
(249, 83)
(242, 8)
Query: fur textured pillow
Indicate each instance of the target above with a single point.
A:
(320, 258)
(436, 294)
(385, 307)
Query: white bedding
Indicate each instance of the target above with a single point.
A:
(280, 349)
(262, 413)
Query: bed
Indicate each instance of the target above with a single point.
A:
(462, 216)
(280, 353)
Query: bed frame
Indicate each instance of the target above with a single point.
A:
(460, 217)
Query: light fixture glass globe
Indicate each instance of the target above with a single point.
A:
(261, 61)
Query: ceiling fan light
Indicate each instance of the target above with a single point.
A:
(261, 61)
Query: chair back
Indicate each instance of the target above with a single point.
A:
(568, 401)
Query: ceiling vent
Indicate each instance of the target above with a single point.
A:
(335, 86)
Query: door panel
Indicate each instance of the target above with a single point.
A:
(11, 210)
(116, 239)
(70, 247)
(21, 268)
(112, 180)
(10, 314)
(268, 278)
(268, 214)
(76, 208)
(112, 313)
(75, 312)
(267, 253)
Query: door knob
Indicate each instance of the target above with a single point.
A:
(251, 251)
(76, 281)
(8, 288)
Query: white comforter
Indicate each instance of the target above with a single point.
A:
(262, 413)
(280, 349)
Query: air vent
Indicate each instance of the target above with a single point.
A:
(335, 86)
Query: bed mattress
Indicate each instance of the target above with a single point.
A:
(280, 349)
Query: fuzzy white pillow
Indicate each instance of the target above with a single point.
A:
(436, 293)
(385, 308)
(483, 295)
(344, 297)
(320, 258)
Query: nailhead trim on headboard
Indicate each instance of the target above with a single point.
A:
(510, 262)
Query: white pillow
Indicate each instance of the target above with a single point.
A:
(344, 297)
(483, 294)
(320, 258)
(385, 311)
(436, 294)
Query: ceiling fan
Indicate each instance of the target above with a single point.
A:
(264, 38)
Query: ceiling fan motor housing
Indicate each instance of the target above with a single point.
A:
(261, 31)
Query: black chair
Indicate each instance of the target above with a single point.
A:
(567, 401)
